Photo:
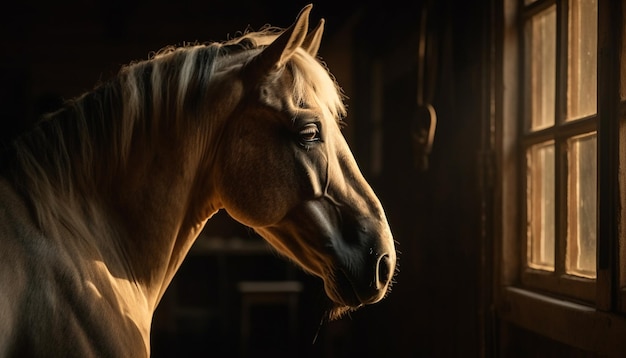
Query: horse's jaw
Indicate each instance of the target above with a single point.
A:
(354, 255)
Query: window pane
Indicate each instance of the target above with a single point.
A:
(543, 68)
(623, 56)
(540, 203)
(581, 242)
(582, 58)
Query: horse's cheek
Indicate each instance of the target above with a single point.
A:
(261, 194)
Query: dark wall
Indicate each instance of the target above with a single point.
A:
(60, 49)
(434, 309)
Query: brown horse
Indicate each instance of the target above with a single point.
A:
(101, 201)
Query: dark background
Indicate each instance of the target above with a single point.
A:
(53, 49)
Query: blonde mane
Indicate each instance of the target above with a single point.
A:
(88, 142)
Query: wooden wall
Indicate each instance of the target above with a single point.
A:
(434, 309)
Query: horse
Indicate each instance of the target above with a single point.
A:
(101, 200)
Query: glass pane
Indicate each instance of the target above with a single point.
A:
(623, 55)
(582, 58)
(543, 68)
(540, 202)
(582, 173)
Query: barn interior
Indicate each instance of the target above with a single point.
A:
(455, 208)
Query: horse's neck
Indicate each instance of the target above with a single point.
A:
(158, 223)
(154, 214)
(140, 219)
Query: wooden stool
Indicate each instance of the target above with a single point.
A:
(268, 293)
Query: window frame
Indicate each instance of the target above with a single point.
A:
(592, 322)
(558, 281)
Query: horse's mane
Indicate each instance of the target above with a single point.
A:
(64, 151)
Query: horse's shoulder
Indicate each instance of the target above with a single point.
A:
(44, 285)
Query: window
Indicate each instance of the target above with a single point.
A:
(559, 146)
(561, 150)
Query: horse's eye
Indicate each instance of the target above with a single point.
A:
(309, 133)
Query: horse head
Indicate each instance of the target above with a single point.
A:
(286, 170)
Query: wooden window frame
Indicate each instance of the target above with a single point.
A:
(552, 306)
(558, 281)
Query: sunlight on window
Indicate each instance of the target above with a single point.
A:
(541, 197)
(582, 170)
(543, 68)
(582, 58)
(623, 63)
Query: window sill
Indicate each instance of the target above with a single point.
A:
(567, 322)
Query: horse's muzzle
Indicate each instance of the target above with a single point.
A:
(357, 285)
(353, 252)
(364, 259)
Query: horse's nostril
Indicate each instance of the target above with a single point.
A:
(384, 269)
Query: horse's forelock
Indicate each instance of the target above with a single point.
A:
(311, 76)
(313, 81)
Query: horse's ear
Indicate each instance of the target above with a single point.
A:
(279, 51)
(313, 40)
